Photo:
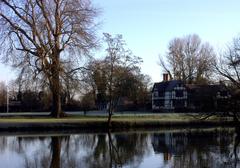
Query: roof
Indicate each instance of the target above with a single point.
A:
(202, 89)
(166, 85)
(206, 90)
(207, 87)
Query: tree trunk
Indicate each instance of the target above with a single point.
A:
(109, 119)
(56, 100)
(110, 112)
(56, 88)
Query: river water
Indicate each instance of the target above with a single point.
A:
(178, 148)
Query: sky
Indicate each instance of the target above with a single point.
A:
(147, 26)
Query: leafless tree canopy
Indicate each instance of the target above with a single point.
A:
(188, 59)
(228, 64)
(43, 35)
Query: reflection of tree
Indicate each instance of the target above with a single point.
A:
(104, 154)
(75, 148)
(35, 151)
(3, 143)
(236, 146)
(101, 147)
(56, 152)
(113, 152)
(131, 147)
(84, 150)
(116, 150)
(96, 157)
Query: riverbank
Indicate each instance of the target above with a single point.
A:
(119, 122)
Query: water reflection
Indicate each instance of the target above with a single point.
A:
(212, 148)
(208, 149)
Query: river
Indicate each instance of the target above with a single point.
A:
(177, 148)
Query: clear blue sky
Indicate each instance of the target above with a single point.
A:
(148, 25)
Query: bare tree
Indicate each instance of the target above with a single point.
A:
(113, 76)
(120, 63)
(228, 64)
(188, 59)
(40, 35)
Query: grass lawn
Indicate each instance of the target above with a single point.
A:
(132, 118)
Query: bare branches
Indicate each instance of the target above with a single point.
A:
(164, 66)
(18, 29)
(228, 64)
(188, 59)
(73, 26)
(39, 31)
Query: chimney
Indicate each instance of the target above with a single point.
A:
(165, 77)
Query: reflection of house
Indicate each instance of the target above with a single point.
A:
(174, 95)
(169, 144)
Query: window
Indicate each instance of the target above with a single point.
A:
(161, 94)
(159, 103)
(179, 93)
(223, 93)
